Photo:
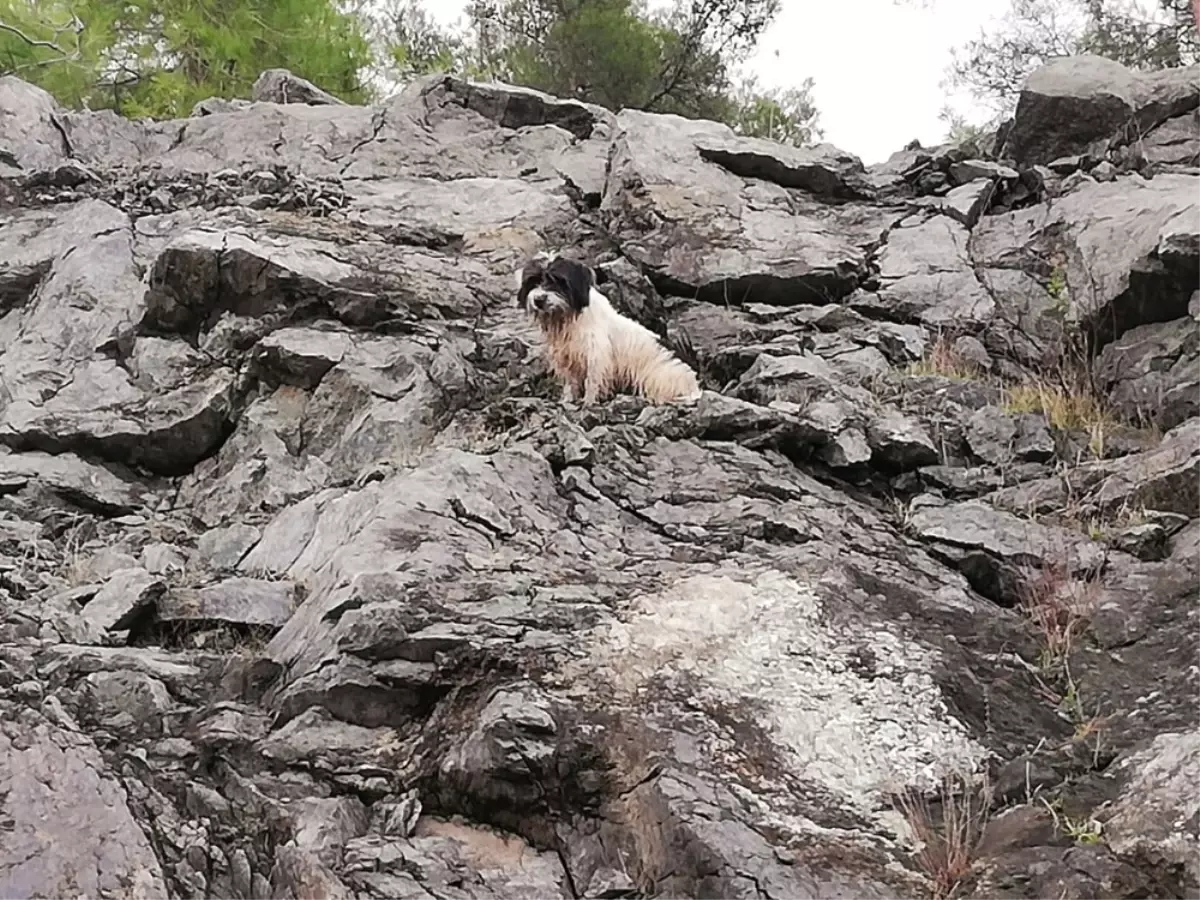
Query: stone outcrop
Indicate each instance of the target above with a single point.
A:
(310, 586)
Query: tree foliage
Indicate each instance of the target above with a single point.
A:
(614, 53)
(159, 57)
(1141, 34)
(787, 115)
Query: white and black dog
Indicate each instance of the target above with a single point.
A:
(593, 349)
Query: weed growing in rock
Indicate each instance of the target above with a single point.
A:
(947, 843)
(1077, 829)
(1100, 528)
(1058, 289)
(945, 361)
(74, 570)
(1067, 410)
(1057, 604)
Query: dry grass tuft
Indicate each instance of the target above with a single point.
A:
(1058, 604)
(1067, 410)
(947, 844)
(943, 360)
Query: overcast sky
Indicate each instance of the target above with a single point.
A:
(876, 64)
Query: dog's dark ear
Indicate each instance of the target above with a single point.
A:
(528, 278)
(577, 281)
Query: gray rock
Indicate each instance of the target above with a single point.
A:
(1152, 373)
(967, 203)
(823, 170)
(1147, 541)
(974, 352)
(301, 873)
(969, 170)
(927, 276)
(1174, 144)
(429, 863)
(31, 139)
(995, 549)
(85, 484)
(241, 601)
(124, 700)
(722, 232)
(845, 422)
(1153, 816)
(281, 86)
(61, 806)
(327, 823)
(224, 548)
(126, 595)
(899, 442)
(1001, 438)
(1110, 231)
(1160, 479)
(1072, 103)
(1068, 104)
(161, 559)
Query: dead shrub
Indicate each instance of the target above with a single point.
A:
(947, 839)
(945, 361)
(1057, 604)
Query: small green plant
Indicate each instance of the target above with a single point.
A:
(1099, 528)
(1057, 286)
(1078, 829)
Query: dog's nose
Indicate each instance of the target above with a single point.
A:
(539, 302)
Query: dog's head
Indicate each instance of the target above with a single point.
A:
(555, 287)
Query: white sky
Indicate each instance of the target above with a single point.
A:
(876, 64)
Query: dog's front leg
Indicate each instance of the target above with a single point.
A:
(595, 383)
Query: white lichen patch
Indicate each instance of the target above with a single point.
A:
(1156, 812)
(756, 645)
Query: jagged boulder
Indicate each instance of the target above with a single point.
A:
(1085, 104)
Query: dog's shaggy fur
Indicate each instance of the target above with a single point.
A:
(593, 349)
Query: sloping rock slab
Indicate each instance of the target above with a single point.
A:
(699, 229)
(926, 276)
(123, 598)
(823, 170)
(1152, 373)
(59, 806)
(1108, 238)
(82, 483)
(1164, 478)
(1156, 815)
(996, 550)
(238, 601)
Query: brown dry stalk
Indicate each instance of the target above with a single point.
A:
(947, 844)
(1057, 603)
(942, 359)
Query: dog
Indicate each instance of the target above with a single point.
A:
(593, 349)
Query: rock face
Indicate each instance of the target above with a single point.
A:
(310, 586)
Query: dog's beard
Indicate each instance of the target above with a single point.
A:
(553, 313)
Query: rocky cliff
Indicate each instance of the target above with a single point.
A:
(311, 587)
